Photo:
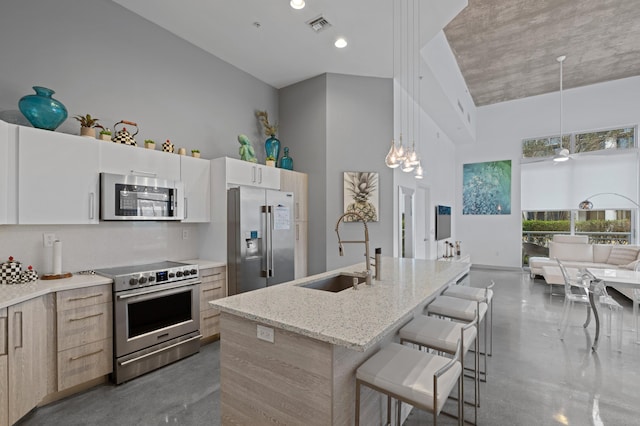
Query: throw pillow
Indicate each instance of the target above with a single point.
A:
(631, 266)
(621, 255)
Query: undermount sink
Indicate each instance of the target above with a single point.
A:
(334, 284)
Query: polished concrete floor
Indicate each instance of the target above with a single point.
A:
(534, 378)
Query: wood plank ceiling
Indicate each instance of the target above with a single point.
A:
(507, 49)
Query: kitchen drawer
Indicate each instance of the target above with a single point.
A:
(80, 297)
(84, 363)
(84, 325)
(213, 274)
(209, 293)
(209, 322)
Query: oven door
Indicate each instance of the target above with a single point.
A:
(147, 316)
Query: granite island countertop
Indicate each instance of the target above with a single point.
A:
(353, 319)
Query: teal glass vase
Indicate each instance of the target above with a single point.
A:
(272, 147)
(43, 111)
(286, 162)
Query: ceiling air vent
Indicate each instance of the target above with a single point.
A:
(318, 24)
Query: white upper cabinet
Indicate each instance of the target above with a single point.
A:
(8, 157)
(196, 178)
(57, 178)
(245, 173)
(130, 160)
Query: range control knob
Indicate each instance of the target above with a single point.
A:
(179, 274)
(171, 275)
(142, 280)
(186, 273)
(152, 279)
(194, 272)
(133, 281)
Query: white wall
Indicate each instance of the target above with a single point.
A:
(104, 60)
(496, 240)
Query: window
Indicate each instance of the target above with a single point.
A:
(621, 138)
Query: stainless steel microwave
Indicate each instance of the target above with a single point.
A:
(133, 197)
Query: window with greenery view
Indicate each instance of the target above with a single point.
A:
(622, 138)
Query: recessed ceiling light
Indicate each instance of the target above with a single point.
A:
(341, 43)
(297, 4)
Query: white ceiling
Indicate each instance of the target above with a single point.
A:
(283, 49)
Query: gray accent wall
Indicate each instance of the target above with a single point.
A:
(337, 123)
(104, 60)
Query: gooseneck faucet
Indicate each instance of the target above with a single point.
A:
(365, 241)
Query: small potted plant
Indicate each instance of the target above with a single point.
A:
(195, 153)
(105, 133)
(149, 144)
(270, 161)
(87, 125)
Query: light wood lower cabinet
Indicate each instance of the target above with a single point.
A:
(25, 358)
(4, 367)
(214, 286)
(84, 335)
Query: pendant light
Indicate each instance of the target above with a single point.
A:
(563, 153)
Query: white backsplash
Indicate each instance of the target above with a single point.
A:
(104, 245)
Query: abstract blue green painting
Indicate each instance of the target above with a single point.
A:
(486, 188)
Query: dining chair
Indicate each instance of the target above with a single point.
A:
(577, 290)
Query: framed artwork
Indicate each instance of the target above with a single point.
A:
(361, 195)
(486, 188)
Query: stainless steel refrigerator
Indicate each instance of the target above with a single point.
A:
(260, 238)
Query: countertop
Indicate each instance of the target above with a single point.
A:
(355, 319)
(17, 293)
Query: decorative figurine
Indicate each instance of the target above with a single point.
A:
(246, 149)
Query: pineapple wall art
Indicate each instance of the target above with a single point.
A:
(361, 195)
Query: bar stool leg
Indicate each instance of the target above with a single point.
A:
(357, 402)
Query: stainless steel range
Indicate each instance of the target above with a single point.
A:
(156, 316)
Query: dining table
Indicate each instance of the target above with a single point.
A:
(612, 278)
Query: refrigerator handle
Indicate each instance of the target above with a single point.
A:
(265, 243)
(271, 219)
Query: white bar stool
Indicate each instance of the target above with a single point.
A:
(479, 295)
(442, 335)
(418, 378)
(462, 310)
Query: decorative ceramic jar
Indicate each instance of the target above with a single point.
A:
(286, 162)
(167, 146)
(43, 111)
(272, 147)
(10, 271)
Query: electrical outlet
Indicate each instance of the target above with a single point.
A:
(48, 238)
(185, 234)
(265, 333)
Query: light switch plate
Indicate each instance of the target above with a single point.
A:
(265, 333)
(48, 239)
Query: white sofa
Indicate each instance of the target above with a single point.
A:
(574, 251)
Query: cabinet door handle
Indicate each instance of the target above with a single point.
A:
(17, 328)
(260, 174)
(253, 174)
(211, 316)
(186, 204)
(297, 210)
(92, 198)
(75, 358)
(297, 232)
(86, 317)
(91, 296)
(142, 172)
(5, 332)
(210, 289)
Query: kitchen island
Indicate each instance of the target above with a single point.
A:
(289, 353)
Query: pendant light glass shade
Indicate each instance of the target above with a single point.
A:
(391, 160)
(418, 172)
